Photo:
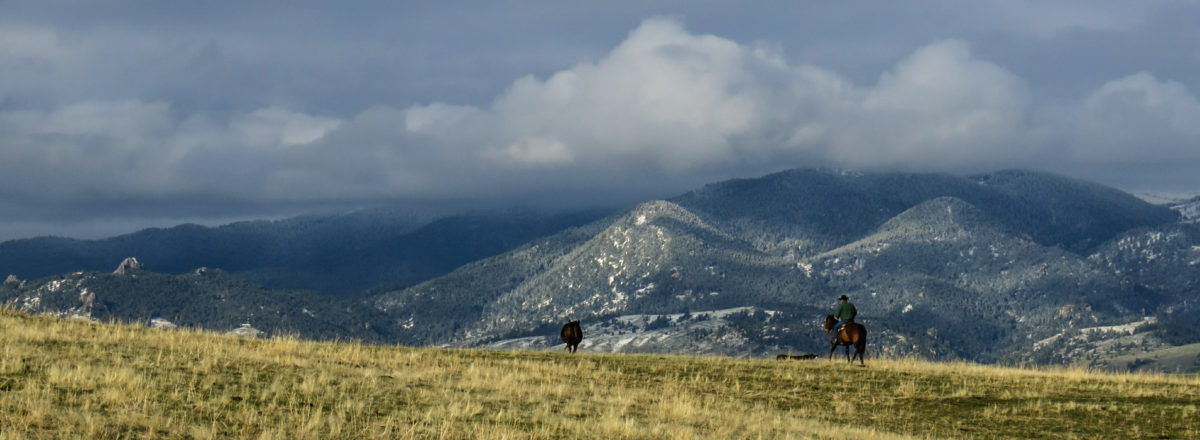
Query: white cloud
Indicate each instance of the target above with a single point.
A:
(663, 96)
(940, 108)
(533, 152)
(1138, 122)
(279, 127)
(670, 106)
(675, 104)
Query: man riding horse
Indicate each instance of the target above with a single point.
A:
(844, 331)
(845, 313)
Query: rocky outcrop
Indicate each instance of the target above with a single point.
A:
(129, 266)
(12, 280)
(246, 331)
(87, 300)
(162, 324)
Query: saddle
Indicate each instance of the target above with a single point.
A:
(840, 333)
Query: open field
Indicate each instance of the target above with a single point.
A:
(1171, 359)
(74, 379)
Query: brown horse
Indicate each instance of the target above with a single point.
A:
(852, 333)
(572, 334)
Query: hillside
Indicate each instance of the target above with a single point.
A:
(204, 298)
(1169, 359)
(656, 258)
(945, 255)
(977, 267)
(342, 253)
(814, 210)
(62, 378)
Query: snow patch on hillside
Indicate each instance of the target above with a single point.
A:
(1097, 336)
(1186, 204)
(702, 332)
(1189, 210)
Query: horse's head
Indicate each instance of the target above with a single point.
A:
(830, 321)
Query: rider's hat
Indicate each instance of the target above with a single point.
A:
(843, 297)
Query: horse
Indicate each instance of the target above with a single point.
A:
(572, 335)
(852, 333)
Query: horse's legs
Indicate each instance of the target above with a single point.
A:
(860, 348)
(832, 348)
(847, 352)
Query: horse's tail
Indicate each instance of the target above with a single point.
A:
(860, 345)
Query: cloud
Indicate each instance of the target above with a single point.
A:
(677, 105)
(1046, 18)
(663, 96)
(677, 108)
(130, 149)
(1138, 132)
(80, 148)
(1138, 119)
(279, 127)
(29, 43)
(940, 108)
(662, 111)
(534, 152)
(125, 118)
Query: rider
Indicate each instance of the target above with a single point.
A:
(845, 313)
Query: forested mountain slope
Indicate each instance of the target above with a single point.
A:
(339, 253)
(976, 267)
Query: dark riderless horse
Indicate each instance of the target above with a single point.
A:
(572, 334)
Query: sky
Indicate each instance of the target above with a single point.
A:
(119, 115)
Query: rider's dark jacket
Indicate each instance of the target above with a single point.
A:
(845, 312)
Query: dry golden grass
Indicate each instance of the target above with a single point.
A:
(72, 379)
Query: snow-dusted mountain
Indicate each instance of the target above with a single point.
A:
(1012, 266)
(978, 267)
(1188, 209)
(203, 298)
(342, 253)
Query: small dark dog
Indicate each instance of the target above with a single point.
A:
(784, 357)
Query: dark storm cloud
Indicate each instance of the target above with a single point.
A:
(129, 113)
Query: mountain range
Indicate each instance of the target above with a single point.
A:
(1010, 266)
(341, 253)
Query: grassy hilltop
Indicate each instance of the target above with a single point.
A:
(75, 379)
